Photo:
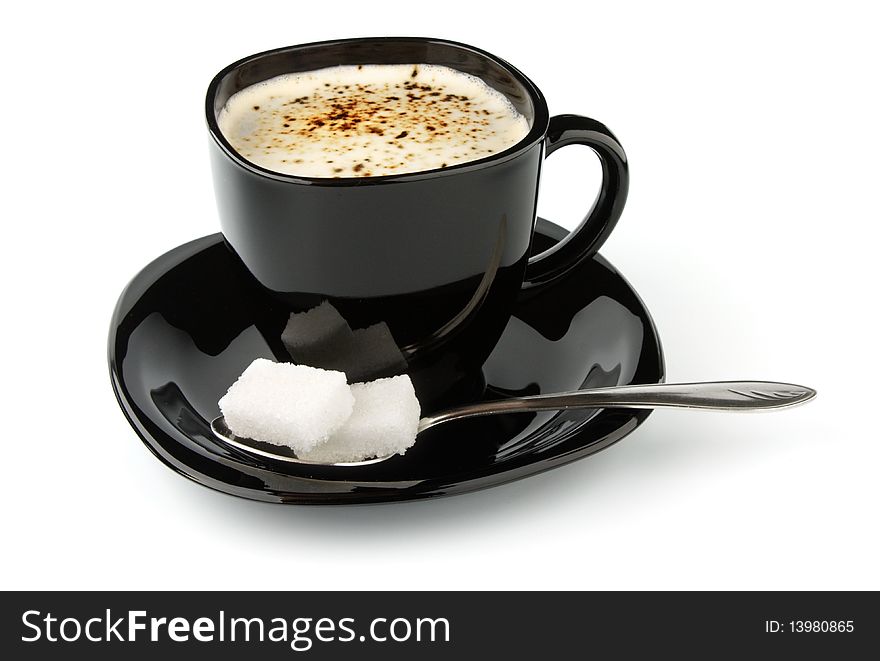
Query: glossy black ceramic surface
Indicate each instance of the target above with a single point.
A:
(191, 321)
(438, 257)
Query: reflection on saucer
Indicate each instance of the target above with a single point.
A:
(321, 337)
(315, 337)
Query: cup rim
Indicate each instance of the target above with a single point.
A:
(536, 132)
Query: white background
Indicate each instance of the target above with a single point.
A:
(750, 232)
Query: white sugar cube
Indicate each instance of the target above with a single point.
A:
(287, 404)
(384, 421)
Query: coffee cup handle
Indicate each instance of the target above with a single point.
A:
(586, 240)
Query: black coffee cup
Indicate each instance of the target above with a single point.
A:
(429, 263)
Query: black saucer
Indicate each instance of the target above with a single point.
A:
(188, 324)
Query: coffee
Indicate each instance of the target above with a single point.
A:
(369, 120)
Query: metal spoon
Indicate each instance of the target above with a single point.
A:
(719, 396)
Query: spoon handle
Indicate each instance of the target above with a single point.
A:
(719, 395)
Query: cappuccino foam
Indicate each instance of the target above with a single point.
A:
(369, 120)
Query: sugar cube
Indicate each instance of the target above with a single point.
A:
(287, 404)
(384, 421)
